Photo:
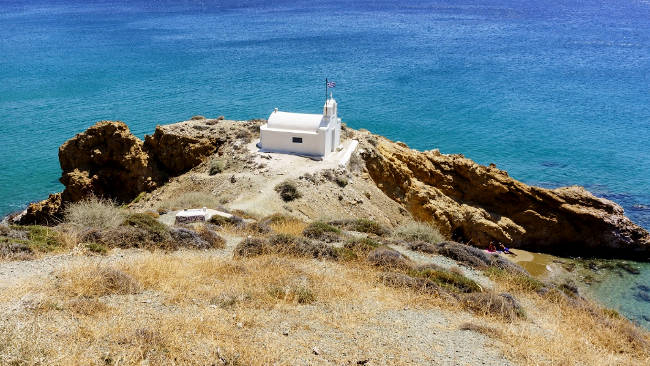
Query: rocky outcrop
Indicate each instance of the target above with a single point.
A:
(108, 161)
(479, 205)
(46, 212)
(178, 148)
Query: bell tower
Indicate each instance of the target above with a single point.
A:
(329, 109)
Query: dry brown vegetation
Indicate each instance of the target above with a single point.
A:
(284, 298)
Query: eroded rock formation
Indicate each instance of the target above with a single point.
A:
(108, 161)
(177, 149)
(479, 205)
(45, 212)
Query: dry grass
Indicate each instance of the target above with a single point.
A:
(190, 200)
(576, 332)
(95, 213)
(486, 330)
(94, 281)
(254, 300)
(187, 308)
(418, 231)
(87, 307)
(289, 226)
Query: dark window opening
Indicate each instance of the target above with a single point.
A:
(297, 140)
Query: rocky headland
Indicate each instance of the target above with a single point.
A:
(390, 182)
(375, 261)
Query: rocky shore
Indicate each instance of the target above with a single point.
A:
(468, 202)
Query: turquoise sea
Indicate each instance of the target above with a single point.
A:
(556, 92)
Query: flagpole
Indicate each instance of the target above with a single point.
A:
(325, 95)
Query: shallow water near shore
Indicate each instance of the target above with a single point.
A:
(606, 281)
(554, 93)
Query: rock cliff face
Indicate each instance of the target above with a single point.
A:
(479, 205)
(176, 149)
(108, 161)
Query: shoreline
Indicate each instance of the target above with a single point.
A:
(610, 282)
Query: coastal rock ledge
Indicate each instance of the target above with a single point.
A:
(468, 202)
(480, 205)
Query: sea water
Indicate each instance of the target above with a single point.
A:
(555, 92)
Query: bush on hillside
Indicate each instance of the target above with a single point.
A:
(450, 280)
(147, 223)
(211, 237)
(288, 191)
(94, 212)
(284, 244)
(476, 257)
(359, 248)
(250, 247)
(418, 231)
(488, 303)
(401, 280)
(96, 281)
(321, 231)
(233, 220)
(388, 258)
(216, 167)
(361, 225)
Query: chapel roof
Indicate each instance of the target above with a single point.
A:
(294, 121)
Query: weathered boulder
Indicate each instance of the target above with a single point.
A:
(106, 161)
(476, 204)
(178, 148)
(44, 212)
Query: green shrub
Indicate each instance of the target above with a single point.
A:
(341, 182)
(157, 230)
(139, 197)
(94, 212)
(361, 246)
(288, 245)
(42, 238)
(219, 220)
(300, 294)
(96, 248)
(288, 191)
(418, 231)
(345, 254)
(388, 258)
(447, 279)
(321, 230)
(216, 167)
(276, 218)
(304, 295)
(361, 225)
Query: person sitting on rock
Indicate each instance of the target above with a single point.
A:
(491, 248)
(505, 249)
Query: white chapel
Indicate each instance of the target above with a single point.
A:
(301, 133)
